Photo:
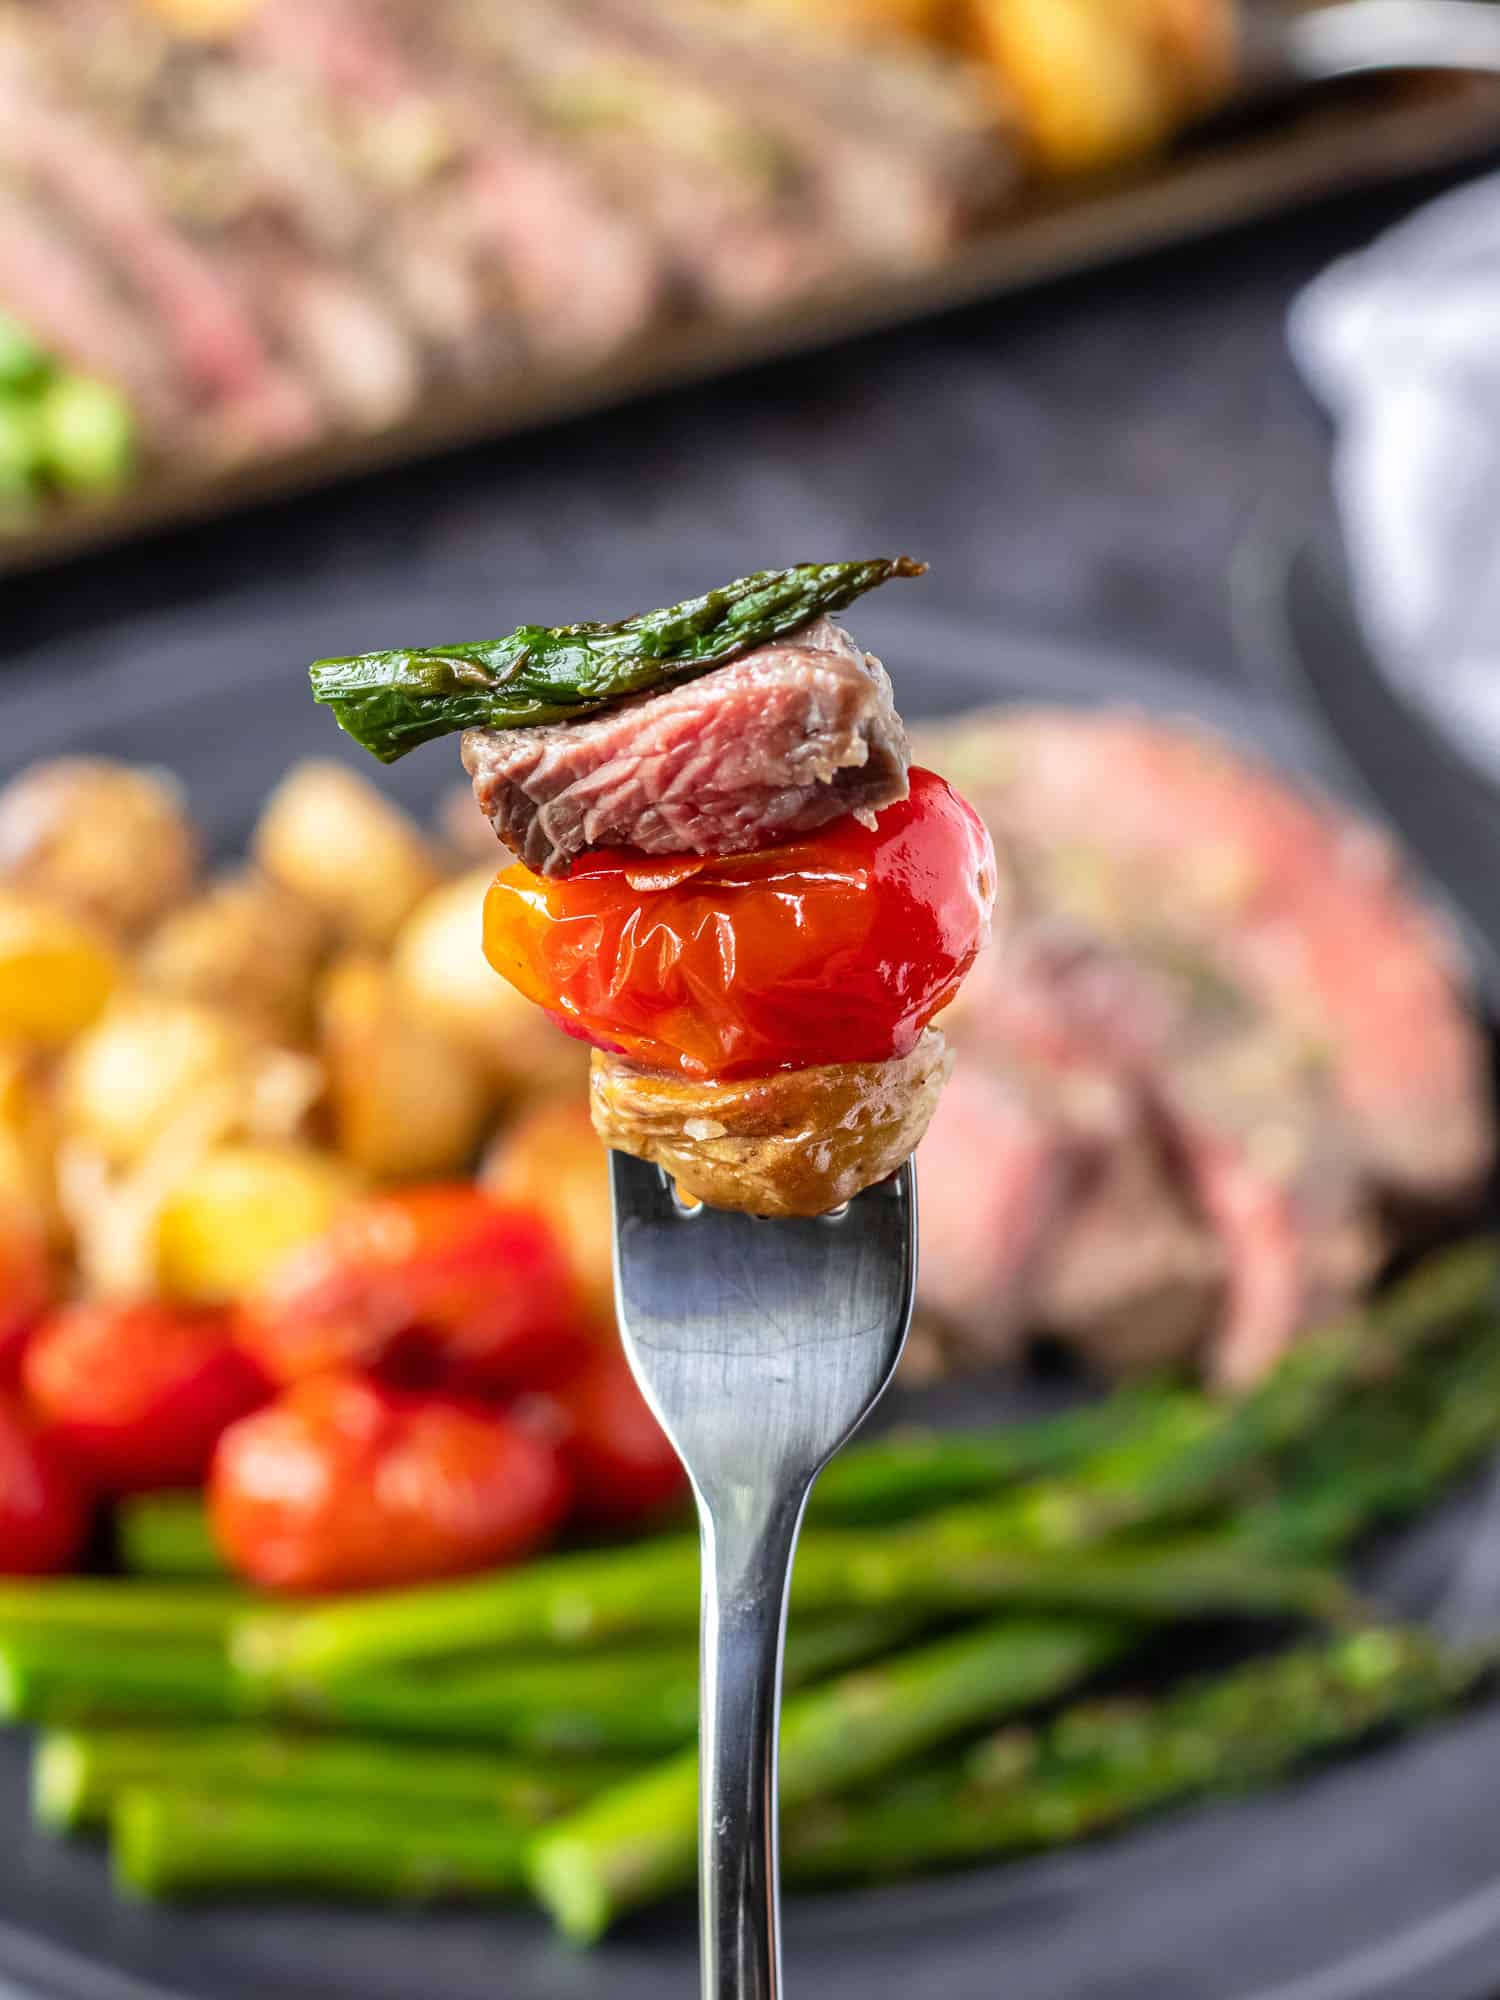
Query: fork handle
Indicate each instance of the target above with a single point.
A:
(747, 1564)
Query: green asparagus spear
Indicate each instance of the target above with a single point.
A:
(59, 1677)
(1103, 1764)
(77, 1775)
(644, 1701)
(167, 1534)
(907, 1473)
(637, 1842)
(1098, 1766)
(98, 1608)
(180, 1845)
(390, 702)
(1446, 1296)
(1384, 1458)
(958, 1561)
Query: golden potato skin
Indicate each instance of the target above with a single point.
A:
(408, 1101)
(1099, 81)
(247, 946)
(441, 973)
(797, 1143)
(110, 843)
(28, 1137)
(551, 1160)
(56, 971)
(341, 845)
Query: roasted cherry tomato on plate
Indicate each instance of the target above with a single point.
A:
(624, 1468)
(345, 1484)
(25, 1287)
(44, 1512)
(138, 1394)
(434, 1287)
(837, 947)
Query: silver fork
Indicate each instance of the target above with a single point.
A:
(761, 1346)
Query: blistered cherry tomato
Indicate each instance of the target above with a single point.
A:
(434, 1287)
(624, 1469)
(25, 1287)
(839, 947)
(138, 1394)
(344, 1484)
(44, 1513)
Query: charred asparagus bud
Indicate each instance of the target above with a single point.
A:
(1103, 1764)
(391, 701)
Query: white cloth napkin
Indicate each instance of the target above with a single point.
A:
(1401, 344)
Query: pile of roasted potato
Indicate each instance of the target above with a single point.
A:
(197, 1070)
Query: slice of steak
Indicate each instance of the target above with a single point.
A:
(1131, 1277)
(905, 149)
(996, 1170)
(206, 324)
(782, 740)
(1163, 838)
(1248, 1115)
(583, 273)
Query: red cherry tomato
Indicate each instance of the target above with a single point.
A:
(624, 1468)
(25, 1288)
(835, 948)
(138, 1394)
(44, 1513)
(440, 1287)
(344, 1484)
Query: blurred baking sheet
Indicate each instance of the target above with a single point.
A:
(1336, 141)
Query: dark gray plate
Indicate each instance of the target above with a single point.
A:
(1374, 1881)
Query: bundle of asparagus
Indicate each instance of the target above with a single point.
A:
(532, 1731)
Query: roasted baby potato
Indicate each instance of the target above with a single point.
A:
(28, 1137)
(248, 946)
(441, 972)
(56, 972)
(236, 1210)
(408, 1100)
(551, 1160)
(344, 848)
(151, 1062)
(108, 842)
(1097, 81)
(799, 1142)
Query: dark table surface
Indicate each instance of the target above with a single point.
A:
(1085, 459)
